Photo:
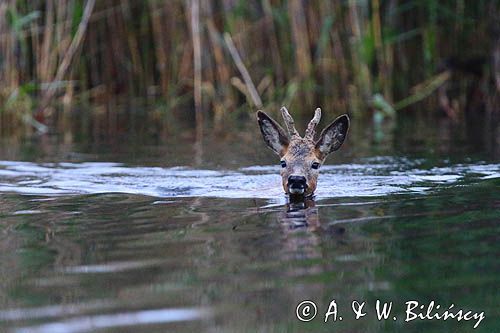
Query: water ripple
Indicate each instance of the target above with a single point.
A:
(145, 317)
(368, 178)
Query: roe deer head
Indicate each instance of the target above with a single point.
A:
(301, 157)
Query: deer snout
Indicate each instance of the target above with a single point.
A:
(297, 184)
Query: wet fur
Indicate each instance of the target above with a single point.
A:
(300, 153)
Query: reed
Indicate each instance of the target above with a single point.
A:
(344, 55)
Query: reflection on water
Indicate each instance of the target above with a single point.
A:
(301, 214)
(109, 247)
(85, 324)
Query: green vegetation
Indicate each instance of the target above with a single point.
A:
(365, 57)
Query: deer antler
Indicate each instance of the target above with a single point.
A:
(289, 123)
(311, 128)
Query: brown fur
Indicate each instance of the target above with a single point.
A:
(299, 153)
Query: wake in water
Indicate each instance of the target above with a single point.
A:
(371, 177)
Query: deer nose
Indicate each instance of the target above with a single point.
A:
(297, 182)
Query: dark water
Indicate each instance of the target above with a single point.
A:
(113, 238)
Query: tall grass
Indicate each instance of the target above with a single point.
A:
(356, 56)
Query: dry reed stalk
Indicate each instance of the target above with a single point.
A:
(390, 22)
(46, 61)
(243, 71)
(5, 49)
(300, 38)
(186, 63)
(223, 69)
(133, 47)
(115, 52)
(65, 15)
(323, 56)
(35, 45)
(359, 67)
(273, 42)
(64, 19)
(495, 52)
(161, 42)
(95, 76)
(195, 34)
(68, 56)
(195, 28)
(238, 84)
(424, 89)
(379, 48)
(132, 42)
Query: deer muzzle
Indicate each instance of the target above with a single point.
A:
(297, 185)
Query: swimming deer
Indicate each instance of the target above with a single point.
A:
(301, 157)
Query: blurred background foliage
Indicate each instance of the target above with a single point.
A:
(63, 61)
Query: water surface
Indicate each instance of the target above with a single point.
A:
(109, 246)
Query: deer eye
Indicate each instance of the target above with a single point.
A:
(315, 165)
(283, 164)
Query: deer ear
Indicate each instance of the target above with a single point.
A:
(333, 136)
(273, 133)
